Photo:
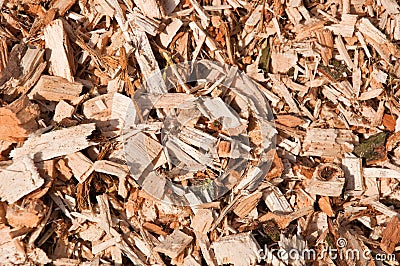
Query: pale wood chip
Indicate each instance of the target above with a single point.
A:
(56, 143)
(148, 64)
(327, 180)
(63, 110)
(19, 179)
(149, 8)
(370, 94)
(205, 20)
(174, 244)
(80, 165)
(247, 204)
(343, 52)
(141, 150)
(91, 232)
(391, 6)
(328, 142)
(346, 26)
(280, 88)
(202, 220)
(276, 201)
(239, 249)
(282, 61)
(53, 88)
(373, 172)
(38, 256)
(352, 168)
(170, 31)
(57, 42)
(12, 251)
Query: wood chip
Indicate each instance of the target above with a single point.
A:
(352, 168)
(247, 204)
(391, 235)
(371, 172)
(11, 250)
(283, 61)
(327, 180)
(202, 221)
(174, 244)
(150, 8)
(58, 44)
(170, 32)
(58, 143)
(29, 216)
(239, 249)
(328, 142)
(326, 206)
(80, 166)
(19, 179)
(18, 120)
(289, 120)
(52, 88)
(276, 201)
(63, 110)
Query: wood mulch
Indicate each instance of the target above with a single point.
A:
(75, 189)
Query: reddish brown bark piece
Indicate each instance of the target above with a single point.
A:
(325, 205)
(28, 216)
(17, 120)
(326, 40)
(224, 148)
(276, 168)
(393, 141)
(389, 121)
(391, 235)
(289, 120)
(154, 228)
